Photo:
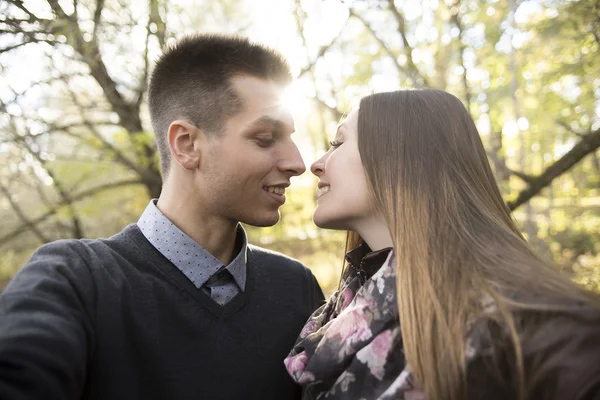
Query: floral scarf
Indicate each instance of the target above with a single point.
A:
(352, 345)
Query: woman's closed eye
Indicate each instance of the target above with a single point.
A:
(336, 143)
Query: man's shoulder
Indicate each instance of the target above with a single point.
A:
(74, 255)
(85, 249)
(71, 250)
(60, 264)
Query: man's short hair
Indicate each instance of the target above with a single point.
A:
(192, 81)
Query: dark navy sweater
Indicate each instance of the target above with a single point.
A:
(114, 319)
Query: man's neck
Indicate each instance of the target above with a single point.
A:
(215, 235)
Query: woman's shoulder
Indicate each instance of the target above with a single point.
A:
(562, 355)
(560, 350)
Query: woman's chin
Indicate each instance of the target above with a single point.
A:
(321, 225)
(327, 222)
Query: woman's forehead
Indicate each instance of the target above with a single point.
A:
(349, 123)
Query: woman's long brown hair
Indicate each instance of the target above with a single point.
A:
(455, 240)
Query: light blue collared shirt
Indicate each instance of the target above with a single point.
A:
(195, 262)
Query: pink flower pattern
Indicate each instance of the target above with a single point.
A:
(375, 353)
(352, 344)
(295, 364)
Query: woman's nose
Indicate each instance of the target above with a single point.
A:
(318, 166)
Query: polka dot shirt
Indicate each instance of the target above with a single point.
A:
(220, 282)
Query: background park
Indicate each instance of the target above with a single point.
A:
(77, 158)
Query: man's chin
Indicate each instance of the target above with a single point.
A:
(262, 221)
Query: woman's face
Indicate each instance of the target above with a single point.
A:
(343, 199)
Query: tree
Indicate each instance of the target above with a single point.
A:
(81, 128)
(83, 33)
(463, 48)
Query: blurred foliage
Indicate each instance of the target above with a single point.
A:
(297, 236)
(76, 160)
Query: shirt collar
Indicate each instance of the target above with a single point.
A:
(363, 258)
(237, 267)
(195, 262)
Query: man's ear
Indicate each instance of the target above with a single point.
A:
(184, 144)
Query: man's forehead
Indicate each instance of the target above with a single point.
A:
(281, 113)
(250, 87)
(279, 118)
(263, 102)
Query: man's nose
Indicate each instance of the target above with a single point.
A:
(293, 163)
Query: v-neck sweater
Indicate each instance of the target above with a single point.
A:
(114, 319)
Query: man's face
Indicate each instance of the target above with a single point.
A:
(245, 171)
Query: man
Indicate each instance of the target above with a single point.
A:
(179, 305)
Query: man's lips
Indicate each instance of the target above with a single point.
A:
(278, 189)
(277, 192)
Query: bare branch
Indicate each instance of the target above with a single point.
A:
(24, 26)
(27, 224)
(146, 174)
(161, 27)
(61, 78)
(299, 25)
(71, 158)
(19, 4)
(75, 14)
(16, 46)
(523, 176)
(588, 144)
(116, 153)
(154, 19)
(143, 83)
(57, 9)
(42, 194)
(52, 129)
(300, 22)
(97, 16)
(320, 54)
(67, 127)
(77, 231)
(456, 20)
(91, 56)
(401, 70)
(415, 73)
(569, 128)
(334, 111)
(80, 196)
(128, 111)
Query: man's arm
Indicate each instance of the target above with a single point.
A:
(45, 332)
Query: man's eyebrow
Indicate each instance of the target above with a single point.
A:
(267, 121)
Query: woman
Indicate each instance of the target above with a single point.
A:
(461, 308)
